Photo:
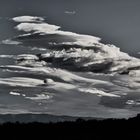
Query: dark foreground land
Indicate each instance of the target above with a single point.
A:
(79, 129)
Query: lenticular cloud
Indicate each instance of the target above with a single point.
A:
(85, 53)
(27, 19)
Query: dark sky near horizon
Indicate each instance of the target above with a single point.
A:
(115, 21)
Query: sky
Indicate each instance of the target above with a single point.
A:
(116, 22)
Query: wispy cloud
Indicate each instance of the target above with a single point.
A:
(70, 12)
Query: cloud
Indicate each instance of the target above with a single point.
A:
(14, 93)
(98, 92)
(7, 56)
(40, 97)
(133, 102)
(20, 81)
(101, 57)
(45, 28)
(38, 28)
(70, 12)
(27, 19)
(10, 42)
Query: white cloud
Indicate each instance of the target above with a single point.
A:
(20, 81)
(45, 28)
(40, 97)
(97, 92)
(10, 42)
(14, 93)
(99, 55)
(27, 57)
(133, 102)
(27, 19)
(70, 12)
(7, 56)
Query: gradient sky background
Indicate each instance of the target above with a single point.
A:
(115, 21)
